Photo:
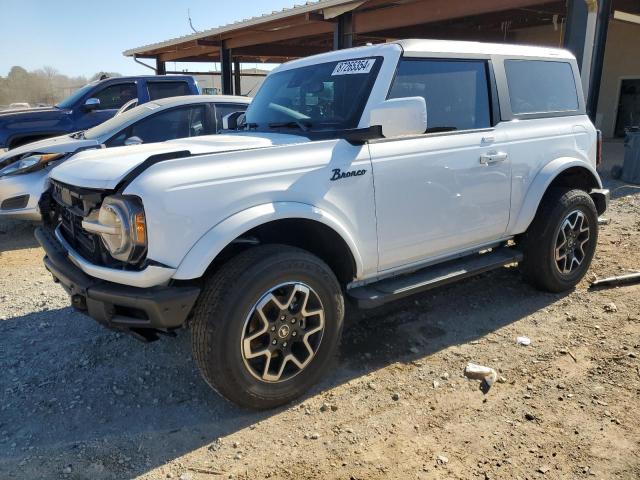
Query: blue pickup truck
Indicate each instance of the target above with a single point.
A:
(87, 107)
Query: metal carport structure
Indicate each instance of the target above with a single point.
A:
(325, 25)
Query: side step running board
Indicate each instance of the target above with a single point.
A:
(383, 291)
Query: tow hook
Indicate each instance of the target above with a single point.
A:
(79, 302)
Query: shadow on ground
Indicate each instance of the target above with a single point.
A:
(71, 386)
(16, 235)
(613, 155)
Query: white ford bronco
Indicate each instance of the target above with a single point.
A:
(365, 174)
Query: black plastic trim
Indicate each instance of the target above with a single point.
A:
(601, 198)
(119, 307)
(15, 203)
(152, 160)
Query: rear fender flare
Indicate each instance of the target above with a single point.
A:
(539, 187)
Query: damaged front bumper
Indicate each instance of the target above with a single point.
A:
(142, 311)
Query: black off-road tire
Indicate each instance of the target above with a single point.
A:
(228, 298)
(539, 267)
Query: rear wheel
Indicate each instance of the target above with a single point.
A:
(267, 325)
(561, 241)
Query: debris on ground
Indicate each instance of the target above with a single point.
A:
(566, 351)
(526, 341)
(619, 280)
(479, 372)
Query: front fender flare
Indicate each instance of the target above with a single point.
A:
(539, 186)
(205, 250)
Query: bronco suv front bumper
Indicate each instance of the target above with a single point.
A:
(119, 307)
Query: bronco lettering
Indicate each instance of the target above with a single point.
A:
(338, 174)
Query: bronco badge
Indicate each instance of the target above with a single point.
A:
(339, 175)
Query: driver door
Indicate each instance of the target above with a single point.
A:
(448, 190)
(112, 98)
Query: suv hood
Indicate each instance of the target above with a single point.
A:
(17, 112)
(105, 168)
(61, 144)
(31, 115)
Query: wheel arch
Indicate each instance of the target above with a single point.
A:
(289, 223)
(561, 172)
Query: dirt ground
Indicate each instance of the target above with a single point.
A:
(80, 402)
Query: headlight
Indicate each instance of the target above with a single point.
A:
(121, 224)
(30, 163)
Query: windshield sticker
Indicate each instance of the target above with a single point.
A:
(354, 66)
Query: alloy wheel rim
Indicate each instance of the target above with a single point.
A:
(282, 332)
(574, 234)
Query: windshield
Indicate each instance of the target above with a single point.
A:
(326, 96)
(114, 124)
(71, 100)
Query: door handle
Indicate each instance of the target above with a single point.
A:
(492, 157)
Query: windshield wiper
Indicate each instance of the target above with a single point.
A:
(304, 126)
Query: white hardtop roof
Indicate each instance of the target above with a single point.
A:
(419, 46)
(440, 48)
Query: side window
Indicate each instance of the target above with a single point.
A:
(456, 91)
(115, 96)
(539, 86)
(224, 109)
(167, 89)
(168, 125)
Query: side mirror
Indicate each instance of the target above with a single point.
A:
(400, 116)
(133, 141)
(232, 121)
(91, 104)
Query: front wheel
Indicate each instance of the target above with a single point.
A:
(267, 325)
(560, 243)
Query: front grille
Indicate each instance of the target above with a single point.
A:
(87, 244)
(72, 205)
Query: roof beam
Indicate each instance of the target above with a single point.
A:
(431, 11)
(208, 43)
(279, 50)
(298, 31)
(186, 53)
(626, 17)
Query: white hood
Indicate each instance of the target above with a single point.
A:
(105, 168)
(61, 144)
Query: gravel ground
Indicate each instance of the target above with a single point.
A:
(80, 402)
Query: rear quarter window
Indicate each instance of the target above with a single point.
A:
(541, 86)
(167, 89)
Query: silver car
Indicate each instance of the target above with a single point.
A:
(24, 170)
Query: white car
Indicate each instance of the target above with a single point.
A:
(365, 174)
(24, 170)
